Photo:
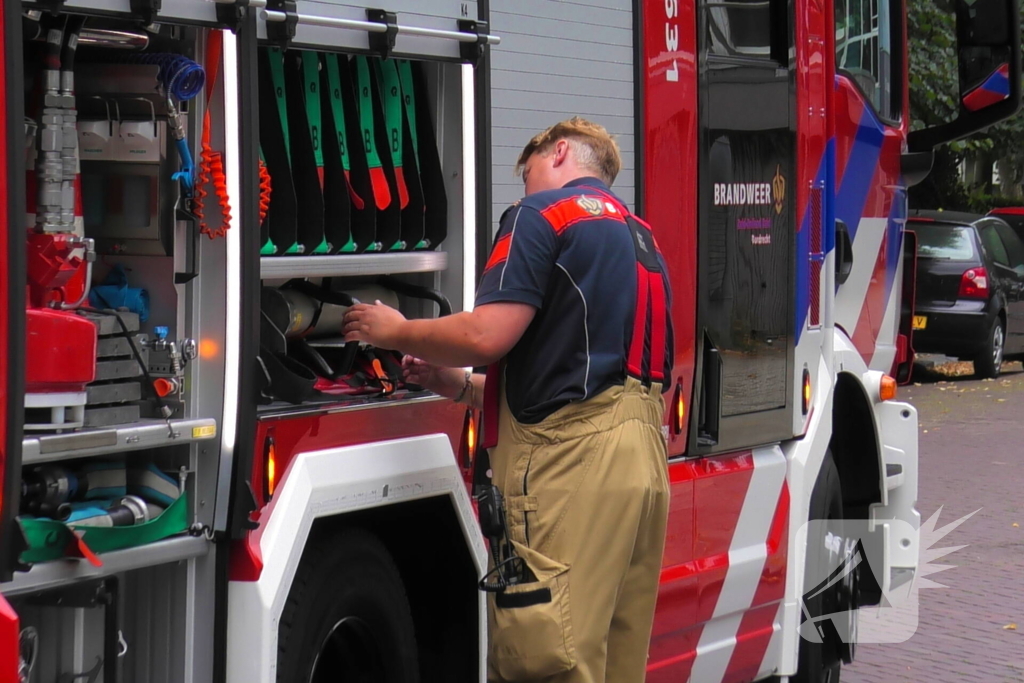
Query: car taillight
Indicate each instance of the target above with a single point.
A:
(974, 284)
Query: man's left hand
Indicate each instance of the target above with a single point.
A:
(375, 324)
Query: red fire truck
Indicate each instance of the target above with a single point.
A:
(203, 482)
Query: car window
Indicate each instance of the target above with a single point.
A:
(1014, 247)
(944, 242)
(993, 245)
(1015, 221)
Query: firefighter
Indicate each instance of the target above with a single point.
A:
(572, 317)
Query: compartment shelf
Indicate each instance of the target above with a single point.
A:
(59, 573)
(149, 433)
(342, 265)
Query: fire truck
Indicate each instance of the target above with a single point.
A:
(203, 482)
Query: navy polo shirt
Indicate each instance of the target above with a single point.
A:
(569, 253)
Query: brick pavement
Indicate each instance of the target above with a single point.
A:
(971, 456)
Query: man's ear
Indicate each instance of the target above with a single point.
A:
(560, 153)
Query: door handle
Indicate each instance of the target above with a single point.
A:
(710, 395)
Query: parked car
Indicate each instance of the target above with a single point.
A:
(970, 288)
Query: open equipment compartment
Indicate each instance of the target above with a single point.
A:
(127, 338)
(365, 169)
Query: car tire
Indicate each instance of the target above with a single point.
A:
(347, 616)
(989, 360)
(821, 662)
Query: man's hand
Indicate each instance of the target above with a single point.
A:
(374, 324)
(475, 338)
(447, 382)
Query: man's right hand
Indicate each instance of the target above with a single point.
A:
(447, 382)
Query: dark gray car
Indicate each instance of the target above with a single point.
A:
(970, 288)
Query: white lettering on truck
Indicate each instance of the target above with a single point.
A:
(672, 37)
(743, 194)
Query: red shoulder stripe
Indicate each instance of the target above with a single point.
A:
(572, 210)
(499, 254)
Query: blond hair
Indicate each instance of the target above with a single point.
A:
(593, 148)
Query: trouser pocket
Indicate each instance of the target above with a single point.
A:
(531, 628)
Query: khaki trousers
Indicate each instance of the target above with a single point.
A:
(586, 493)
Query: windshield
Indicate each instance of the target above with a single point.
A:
(944, 241)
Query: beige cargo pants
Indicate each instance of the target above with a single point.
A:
(586, 492)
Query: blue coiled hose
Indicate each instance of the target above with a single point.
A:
(182, 79)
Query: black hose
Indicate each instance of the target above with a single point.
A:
(71, 30)
(54, 41)
(417, 292)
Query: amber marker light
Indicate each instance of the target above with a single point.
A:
(807, 391)
(679, 412)
(208, 349)
(270, 469)
(887, 388)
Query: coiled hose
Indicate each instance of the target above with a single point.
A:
(180, 77)
(211, 162)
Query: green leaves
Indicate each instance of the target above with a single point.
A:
(934, 99)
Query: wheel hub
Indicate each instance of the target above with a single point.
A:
(997, 346)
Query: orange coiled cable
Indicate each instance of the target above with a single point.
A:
(264, 191)
(211, 162)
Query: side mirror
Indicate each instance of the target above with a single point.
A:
(989, 66)
(844, 253)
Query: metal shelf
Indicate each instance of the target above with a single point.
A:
(84, 443)
(59, 573)
(342, 265)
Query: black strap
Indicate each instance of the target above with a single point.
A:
(507, 600)
(481, 468)
(290, 380)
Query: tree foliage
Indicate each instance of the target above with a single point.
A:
(934, 99)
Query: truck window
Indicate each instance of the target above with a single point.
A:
(739, 28)
(864, 30)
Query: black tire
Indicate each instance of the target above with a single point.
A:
(989, 360)
(347, 617)
(820, 662)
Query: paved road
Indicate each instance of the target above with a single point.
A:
(972, 456)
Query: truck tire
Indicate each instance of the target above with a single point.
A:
(989, 360)
(820, 662)
(347, 617)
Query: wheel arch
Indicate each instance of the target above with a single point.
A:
(425, 539)
(855, 446)
(411, 495)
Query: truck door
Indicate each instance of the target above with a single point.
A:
(746, 266)
(719, 89)
(871, 123)
(12, 297)
(746, 233)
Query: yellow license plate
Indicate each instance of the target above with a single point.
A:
(920, 322)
